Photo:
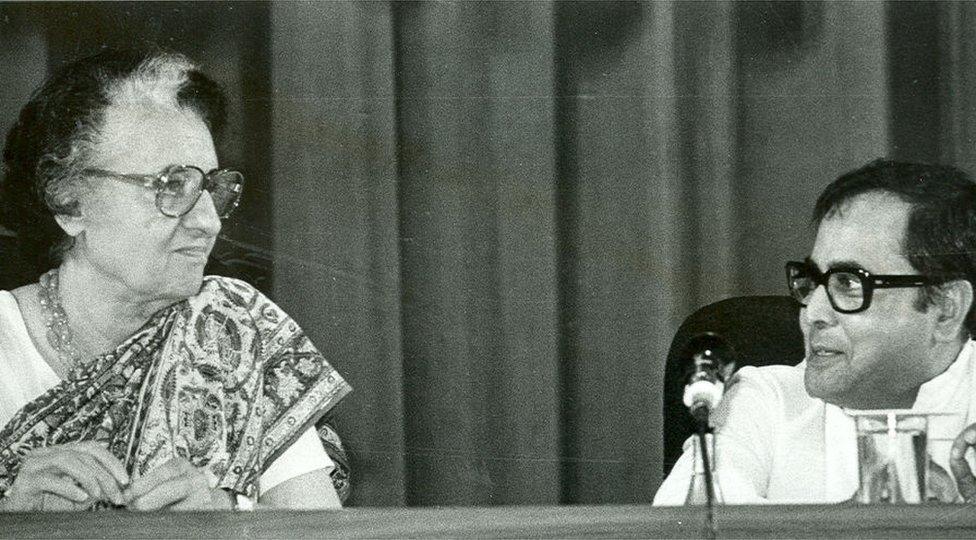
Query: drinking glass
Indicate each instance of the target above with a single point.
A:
(892, 456)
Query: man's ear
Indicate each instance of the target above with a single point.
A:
(953, 302)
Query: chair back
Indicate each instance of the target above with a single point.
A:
(762, 330)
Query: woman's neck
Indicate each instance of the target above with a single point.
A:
(102, 311)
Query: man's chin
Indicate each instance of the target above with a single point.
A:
(819, 385)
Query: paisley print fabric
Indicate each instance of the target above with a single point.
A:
(224, 379)
(342, 473)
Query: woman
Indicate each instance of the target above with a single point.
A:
(126, 377)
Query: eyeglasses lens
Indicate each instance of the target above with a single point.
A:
(801, 283)
(180, 191)
(225, 189)
(184, 185)
(846, 290)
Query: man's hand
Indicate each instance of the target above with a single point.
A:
(960, 467)
(940, 485)
(67, 477)
(175, 485)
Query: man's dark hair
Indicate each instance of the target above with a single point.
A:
(940, 237)
(52, 141)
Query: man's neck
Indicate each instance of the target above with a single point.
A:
(867, 402)
(942, 356)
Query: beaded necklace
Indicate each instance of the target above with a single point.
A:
(59, 333)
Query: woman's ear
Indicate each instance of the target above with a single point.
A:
(71, 224)
(953, 302)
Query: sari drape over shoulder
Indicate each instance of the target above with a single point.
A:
(224, 379)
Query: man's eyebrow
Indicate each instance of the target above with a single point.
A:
(809, 262)
(836, 264)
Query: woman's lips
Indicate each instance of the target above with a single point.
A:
(194, 252)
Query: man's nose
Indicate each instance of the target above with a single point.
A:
(818, 310)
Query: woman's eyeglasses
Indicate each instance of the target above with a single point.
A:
(178, 187)
(848, 289)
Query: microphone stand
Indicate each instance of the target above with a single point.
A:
(711, 363)
(703, 429)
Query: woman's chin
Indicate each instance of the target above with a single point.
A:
(185, 286)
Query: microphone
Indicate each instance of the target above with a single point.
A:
(712, 361)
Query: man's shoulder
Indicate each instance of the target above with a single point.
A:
(782, 378)
(778, 387)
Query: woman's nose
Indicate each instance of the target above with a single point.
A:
(203, 216)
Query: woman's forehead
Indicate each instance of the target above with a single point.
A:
(144, 138)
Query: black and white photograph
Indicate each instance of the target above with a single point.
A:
(488, 268)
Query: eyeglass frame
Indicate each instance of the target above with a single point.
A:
(158, 182)
(869, 282)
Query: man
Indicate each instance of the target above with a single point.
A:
(887, 296)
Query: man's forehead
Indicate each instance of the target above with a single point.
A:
(867, 230)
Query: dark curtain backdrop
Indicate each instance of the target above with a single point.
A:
(492, 216)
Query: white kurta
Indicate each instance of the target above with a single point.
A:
(776, 444)
(25, 375)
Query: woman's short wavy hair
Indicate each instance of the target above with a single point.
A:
(57, 130)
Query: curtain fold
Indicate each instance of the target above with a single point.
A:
(623, 242)
(476, 214)
(337, 265)
(957, 87)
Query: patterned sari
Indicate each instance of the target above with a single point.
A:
(224, 379)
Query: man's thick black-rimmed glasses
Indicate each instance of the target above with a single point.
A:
(848, 289)
(178, 187)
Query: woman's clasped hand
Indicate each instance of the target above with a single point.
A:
(67, 477)
(79, 475)
(175, 485)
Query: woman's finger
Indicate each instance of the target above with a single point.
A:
(206, 499)
(162, 495)
(71, 465)
(107, 481)
(36, 460)
(61, 486)
(105, 458)
(144, 484)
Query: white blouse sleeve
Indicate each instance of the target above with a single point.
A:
(305, 455)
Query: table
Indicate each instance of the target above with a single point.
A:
(921, 521)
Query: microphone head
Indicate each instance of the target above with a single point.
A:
(710, 361)
(709, 351)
